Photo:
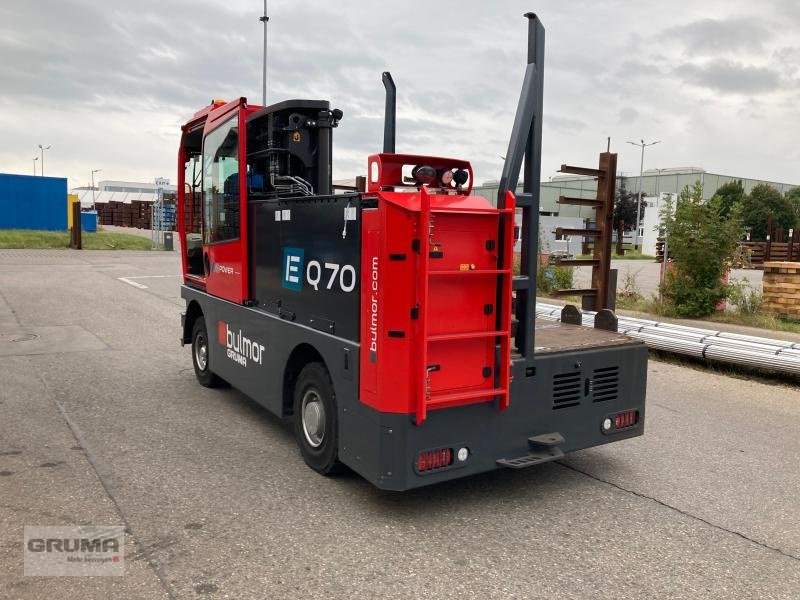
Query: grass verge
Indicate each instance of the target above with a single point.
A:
(102, 240)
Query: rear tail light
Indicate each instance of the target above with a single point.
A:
(430, 460)
(626, 419)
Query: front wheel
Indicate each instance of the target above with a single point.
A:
(315, 419)
(200, 355)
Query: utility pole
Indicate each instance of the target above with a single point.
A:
(35, 158)
(643, 145)
(93, 172)
(43, 148)
(264, 19)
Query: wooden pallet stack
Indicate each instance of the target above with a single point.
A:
(781, 288)
(137, 214)
(141, 214)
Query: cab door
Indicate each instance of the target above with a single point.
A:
(224, 204)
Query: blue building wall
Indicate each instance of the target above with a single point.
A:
(28, 202)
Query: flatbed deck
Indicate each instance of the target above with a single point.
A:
(554, 336)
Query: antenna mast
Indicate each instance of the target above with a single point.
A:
(264, 19)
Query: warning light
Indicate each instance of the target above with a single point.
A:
(429, 460)
(620, 421)
(424, 174)
(460, 176)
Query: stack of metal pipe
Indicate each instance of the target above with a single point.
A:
(734, 348)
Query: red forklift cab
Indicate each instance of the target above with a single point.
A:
(213, 227)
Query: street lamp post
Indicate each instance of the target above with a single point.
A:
(643, 145)
(35, 158)
(43, 148)
(93, 172)
(666, 233)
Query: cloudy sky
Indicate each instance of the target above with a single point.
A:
(108, 83)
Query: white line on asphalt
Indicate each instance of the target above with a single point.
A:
(148, 276)
(133, 283)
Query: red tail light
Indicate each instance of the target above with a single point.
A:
(626, 419)
(429, 460)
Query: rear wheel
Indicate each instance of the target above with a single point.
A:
(200, 355)
(315, 419)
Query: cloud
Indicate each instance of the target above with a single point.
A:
(712, 36)
(109, 82)
(727, 76)
(564, 124)
(628, 114)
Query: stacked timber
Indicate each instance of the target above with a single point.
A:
(781, 288)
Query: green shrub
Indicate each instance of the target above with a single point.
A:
(551, 278)
(701, 244)
(562, 277)
(745, 297)
(630, 289)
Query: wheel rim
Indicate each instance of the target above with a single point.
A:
(313, 417)
(201, 351)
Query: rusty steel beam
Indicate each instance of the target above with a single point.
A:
(584, 232)
(576, 292)
(606, 189)
(579, 201)
(577, 262)
(582, 170)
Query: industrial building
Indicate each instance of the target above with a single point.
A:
(120, 191)
(656, 184)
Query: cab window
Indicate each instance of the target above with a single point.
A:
(221, 183)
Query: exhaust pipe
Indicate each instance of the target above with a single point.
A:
(389, 122)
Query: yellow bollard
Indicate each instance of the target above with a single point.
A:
(71, 199)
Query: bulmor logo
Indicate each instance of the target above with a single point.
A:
(239, 348)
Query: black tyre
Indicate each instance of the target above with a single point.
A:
(200, 355)
(316, 423)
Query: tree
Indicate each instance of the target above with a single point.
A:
(793, 196)
(625, 208)
(763, 202)
(701, 243)
(727, 198)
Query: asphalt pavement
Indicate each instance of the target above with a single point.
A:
(102, 422)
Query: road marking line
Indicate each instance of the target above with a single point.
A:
(133, 283)
(148, 276)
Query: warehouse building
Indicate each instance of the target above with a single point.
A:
(120, 191)
(654, 183)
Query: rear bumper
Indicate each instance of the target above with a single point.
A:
(384, 447)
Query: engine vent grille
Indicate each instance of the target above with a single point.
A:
(566, 389)
(605, 384)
